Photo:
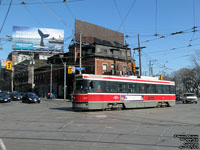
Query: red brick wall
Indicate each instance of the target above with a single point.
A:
(99, 63)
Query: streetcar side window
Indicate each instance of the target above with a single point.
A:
(166, 89)
(122, 87)
(150, 88)
(172, 89)
(97, 86)
(132, 87)
(141, 88)
(159, 89)
(111, 87)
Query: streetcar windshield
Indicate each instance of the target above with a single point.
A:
(82, 86)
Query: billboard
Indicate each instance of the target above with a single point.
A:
(96, 34)
(38, 39)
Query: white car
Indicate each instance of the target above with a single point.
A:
(190, 98)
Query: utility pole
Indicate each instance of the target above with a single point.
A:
(65, 72)
(139, 50)
(51, 79)
(12, 76)
(80, 52)
(126, 58)
(150, 73)
(32, 70)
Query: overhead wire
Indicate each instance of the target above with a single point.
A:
(25, 6)
(156, 17)
(133, 4)
(119, 13)
(6, 16)
(38, 3)
(66, 5)
(54, 14)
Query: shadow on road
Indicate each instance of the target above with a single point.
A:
(63, 108)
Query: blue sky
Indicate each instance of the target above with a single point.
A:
(131, 17)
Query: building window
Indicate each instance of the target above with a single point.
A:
(124, 69)
(104, 68)
(91, 68)
(112, 67)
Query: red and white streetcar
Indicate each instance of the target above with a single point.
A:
(93, 92)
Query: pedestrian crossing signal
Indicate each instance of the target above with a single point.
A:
(8, 65)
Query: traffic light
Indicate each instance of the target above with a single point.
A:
(133, 67)
(161, 77)
(9, 65)
(69, 69)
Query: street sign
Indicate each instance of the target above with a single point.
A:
(73, 69)
(80, 68)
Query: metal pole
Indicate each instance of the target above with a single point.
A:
(140, 63)
(126, 59)
(80, 59)
(12, 76)
(51, 79)
(65, 72)
(32, 70)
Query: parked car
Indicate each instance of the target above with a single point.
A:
(16, 96)
(30, 97)
(4, 97)
(178, 97)
(189, 98)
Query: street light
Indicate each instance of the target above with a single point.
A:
(64, 63)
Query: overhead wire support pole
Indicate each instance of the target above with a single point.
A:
(139, 50)
(51, 79)
(65, 72)
(80, 52)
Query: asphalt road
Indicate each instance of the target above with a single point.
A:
(53, 125)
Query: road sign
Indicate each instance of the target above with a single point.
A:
(73, 69)
(80, 68)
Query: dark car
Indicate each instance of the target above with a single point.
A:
(178, 97)
(4, 97)
(30, 97)
(16, 96)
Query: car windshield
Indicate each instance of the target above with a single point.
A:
(191, 94)
(3, 94)
(32, 95)
(16, 94)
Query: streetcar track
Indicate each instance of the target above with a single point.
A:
(87, 141)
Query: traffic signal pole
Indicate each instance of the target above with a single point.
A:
(65, 72)
(12, 76)
(80, 52)
(51, 79)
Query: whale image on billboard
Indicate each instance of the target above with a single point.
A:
(38, 39)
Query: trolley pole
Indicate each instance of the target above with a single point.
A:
(139, 50)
